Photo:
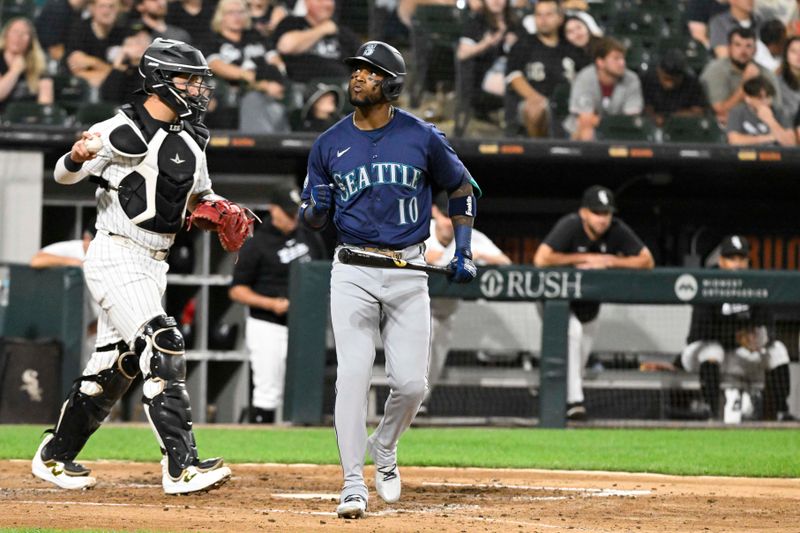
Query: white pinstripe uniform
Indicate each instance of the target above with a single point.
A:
(122, 274)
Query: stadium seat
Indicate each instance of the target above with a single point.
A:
(643, 24)
(682, 129)
(434, 28)
(640, 59)
(626, 128)
(33, 114)
(696, 54)
(70, 91)
(465, 72)
(559, 109)
(92, 113)
(17, 8)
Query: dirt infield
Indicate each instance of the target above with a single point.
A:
(300, 498)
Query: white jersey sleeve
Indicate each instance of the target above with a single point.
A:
(72, 249)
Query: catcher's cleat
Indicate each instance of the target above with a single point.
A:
(387, 477)
(352, 506)
(65, 474)
(201, 478)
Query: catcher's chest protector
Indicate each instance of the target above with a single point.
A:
(155, 193)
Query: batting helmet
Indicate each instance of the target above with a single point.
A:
(388, 60)
(162, 61)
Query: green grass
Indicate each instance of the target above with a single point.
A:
(740, 452)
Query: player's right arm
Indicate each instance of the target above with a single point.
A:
(546, 256)
(69, 168)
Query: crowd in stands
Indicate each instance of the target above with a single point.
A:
(688, 70)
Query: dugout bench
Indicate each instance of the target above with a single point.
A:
(554, 288)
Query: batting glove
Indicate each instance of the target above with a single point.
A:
(462, 268)
(320, 199)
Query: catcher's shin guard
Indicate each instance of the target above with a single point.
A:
(166, 401)
(114, 367)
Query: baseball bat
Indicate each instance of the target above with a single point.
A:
(349, 256)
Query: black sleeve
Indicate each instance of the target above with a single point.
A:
(348, 41)
(560, 237)
(702, 324)
(627, 242)
(285, 26)
(76, 38)
(518, 56)
(245, 272)
(473, 29)
(696, 95)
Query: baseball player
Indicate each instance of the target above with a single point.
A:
(439, 250)
(261, 281)
(591, 238)
(371, 173)
(149, 162)
(738, 341)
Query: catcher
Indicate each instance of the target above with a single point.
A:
(149, 162)
(737, 342)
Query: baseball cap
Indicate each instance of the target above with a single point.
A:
(287, 198)
(673, 62)
(734, 245)
(599, 198)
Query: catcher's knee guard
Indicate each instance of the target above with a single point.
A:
(109, 373)
(165, 399)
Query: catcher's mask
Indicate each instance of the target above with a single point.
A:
(166, 59)
(388, 60)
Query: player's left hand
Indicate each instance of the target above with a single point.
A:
(462, 268)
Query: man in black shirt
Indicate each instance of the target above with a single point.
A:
(737, 340)
(590, 238)
(261, 281)
(92, 43)
(53, 25)
(538, 63)
(314, 46)
(670, 89)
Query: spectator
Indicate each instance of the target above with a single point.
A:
(124, 78)
(604, 88)
(670, 89)
(736, 341)
(699, 13)
(194, 16)
(582, 32)
(770, 46)
(261, 110)
(789, 77)
(153, 14)
(237, 49)
(784, 10)
(592, 238)
(723, 78)
(22, 65)
(537, 64)
(261, 281)
(54, 22)
(739, 15)
(486, 39)
(756, 121)
(314, 46)
(322, 107)
(266, 15)
(439, 250)
(92, 42)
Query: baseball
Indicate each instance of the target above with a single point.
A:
(94, 144)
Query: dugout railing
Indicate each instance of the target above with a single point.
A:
(554, 289)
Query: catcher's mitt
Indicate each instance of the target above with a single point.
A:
(233, 223)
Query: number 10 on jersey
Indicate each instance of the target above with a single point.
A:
(408, 210)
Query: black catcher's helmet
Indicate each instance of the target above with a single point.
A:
(162, 61)
(388, 60)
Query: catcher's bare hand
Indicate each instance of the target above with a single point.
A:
(80, 153)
